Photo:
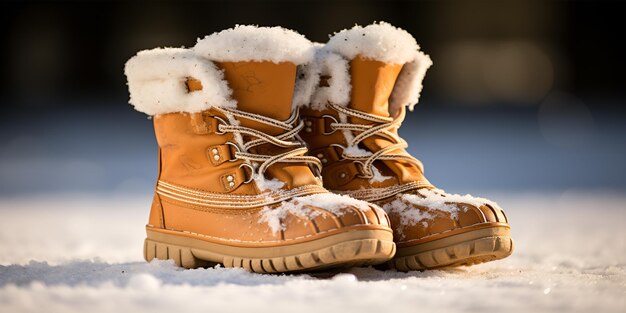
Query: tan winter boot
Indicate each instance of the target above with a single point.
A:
(354, 99)
(234, 184)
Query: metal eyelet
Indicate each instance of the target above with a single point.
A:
(325, 116)
(250, 179)
(317, 173)
(237, 148)
(221, 121)
(341, 158)
(301, 141)
(338, 146)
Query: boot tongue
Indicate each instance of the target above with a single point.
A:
(372, 83)
(263, 88)
(266, 88)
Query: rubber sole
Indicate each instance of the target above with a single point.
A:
(346, 249)
(473, 247)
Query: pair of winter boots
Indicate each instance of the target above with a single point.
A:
(278, 155)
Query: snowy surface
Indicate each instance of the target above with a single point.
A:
(82, 253)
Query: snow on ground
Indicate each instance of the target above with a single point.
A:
(82, 253)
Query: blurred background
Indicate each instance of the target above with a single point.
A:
(524, 96)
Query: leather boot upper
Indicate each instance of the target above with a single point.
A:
(353, 116)
(231, 168)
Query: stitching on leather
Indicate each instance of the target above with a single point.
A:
(443, 232)
(209, 209)
(376, 194)
(247, 241)
(209, 194)
(243, 205)
(224, 202)
(219, 198)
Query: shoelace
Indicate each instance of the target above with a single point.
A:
(384, 127)
(288, 139)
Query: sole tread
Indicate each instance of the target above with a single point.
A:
(472, 247)
(363, 252)
(465, 253)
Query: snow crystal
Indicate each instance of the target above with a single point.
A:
(356, 151)
(433, 200)
(265, 184)
(253, 43)
(298, 206)
(451, 197)
(408, 214)
(378, 176)
(438, 200)
(274, 216)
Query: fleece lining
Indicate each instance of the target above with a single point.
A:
(157, 82)
(253, 43)
(379, 41)
(157, 78)
(336, 69)
(406, 91)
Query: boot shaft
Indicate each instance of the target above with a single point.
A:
(372, 82)
(189, 92)
(383, 70)
(264, 88)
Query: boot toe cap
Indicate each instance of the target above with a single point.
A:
(337, 216)
(418, 220)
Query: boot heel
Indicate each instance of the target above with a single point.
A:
(182, 256)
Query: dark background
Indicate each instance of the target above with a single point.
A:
(524, 96)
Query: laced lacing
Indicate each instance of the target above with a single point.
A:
(383, 126)
(288, 139)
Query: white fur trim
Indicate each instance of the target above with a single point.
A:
(379, 41)
(156, 81)
(406, 91)
(253, 43)
(307, 81)
(337, 69)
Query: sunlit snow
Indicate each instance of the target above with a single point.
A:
(82, 253)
